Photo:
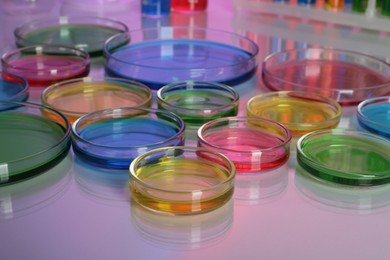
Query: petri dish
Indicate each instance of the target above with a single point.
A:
(345, 76)
(374, 115)
(301, 112)
(87, 33)
(34, 138)
(12, 88)
(77, 97)
(345, 156)
(161, 55)
(253, 144)
(198, 102)
(182, 180)
(111, 138)
(45, 65)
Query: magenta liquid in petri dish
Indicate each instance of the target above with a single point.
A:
(45, 65)
(252, 144)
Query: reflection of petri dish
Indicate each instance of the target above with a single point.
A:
(33, 138)
(45, 65)
(23, 198)
(12, 88)
(252, 189)
(345, 156)
(374, 115)
(345, 76)
(105, 186)
(182, 180)
(253, 144)
(300, 112)
(157, 57)
(113, 137)
(341, 198)
(198, 102)
(82, 32)
(183, 232)
(77, 97)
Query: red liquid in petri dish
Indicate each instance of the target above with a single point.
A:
(188, 5)
(347, 83)
(41, 71)
(249, 150)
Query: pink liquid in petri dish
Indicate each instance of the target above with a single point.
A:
(347, 83)
(41, 71)
(188, 5)
(250, 150)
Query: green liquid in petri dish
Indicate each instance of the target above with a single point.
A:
(89, 38)
(349, 160)
(197, 107)
(183, 181)
(27, 143)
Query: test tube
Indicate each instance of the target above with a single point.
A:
(155, 7)
(188, 5)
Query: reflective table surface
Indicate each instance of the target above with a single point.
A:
(77, 211)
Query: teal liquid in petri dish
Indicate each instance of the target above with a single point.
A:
(197, 107)
(379, 119)
(90, 38)
(347, 159)
(23, 137)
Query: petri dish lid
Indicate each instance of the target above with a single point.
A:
(87, 33)
(12, 88)
(345, 156)
(34, 138)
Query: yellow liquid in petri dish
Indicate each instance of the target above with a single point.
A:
(81, 98)
(182, 186)
(299, 115)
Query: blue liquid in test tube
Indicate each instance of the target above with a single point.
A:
(156, 7)
(306, 2)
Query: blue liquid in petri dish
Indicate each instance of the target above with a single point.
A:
(11, 91)
(380, 115)
(115, 143)
(158, 63)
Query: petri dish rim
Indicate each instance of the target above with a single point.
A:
(329, 101)
(83, 54)
(229, 89)
(338, 131)
(221, 184)
(333, 90)
(62, 140)
(24, 88)
(150, 110)
(285, 130)
(90, 80)
(65, 20)
(108, 53)
(361, 116)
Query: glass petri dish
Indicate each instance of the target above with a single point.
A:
(87, 33)
(198, 102)
(253, 144)
(182, 180)
(12, 88)
(45, 65)
(301, 112)
(77, 97)
(159, 56)
(345, 156)
(345, 76)
(34, 138)
(111, 138)
(374, 115)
